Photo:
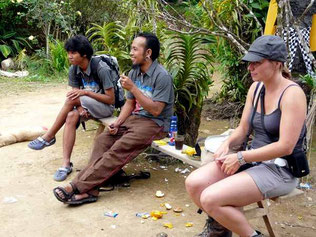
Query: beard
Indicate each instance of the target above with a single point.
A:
(136, 65)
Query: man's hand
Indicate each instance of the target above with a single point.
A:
(127, 83)
(113, 128)
(76, 93)
(229, 163)
(82, 112)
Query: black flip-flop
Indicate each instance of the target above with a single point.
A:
(89, 199)
(67, 195)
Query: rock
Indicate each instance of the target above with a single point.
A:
(7, 64)
(21, 135)
(162, 234)
(14, 74)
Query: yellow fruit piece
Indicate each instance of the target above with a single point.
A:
(190, 151)
(188, 224)
(156, 214)
(160, 142)
(168, 225)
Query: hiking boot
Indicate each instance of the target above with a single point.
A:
(213, 229)
(259, 234)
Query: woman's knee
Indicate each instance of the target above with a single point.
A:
(192, 182)
(209, 201)
(72, 118)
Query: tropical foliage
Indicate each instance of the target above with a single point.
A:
(13, 38)
(58, 56)
(235, 23)
(110, 38)
(11, 44)
(200, 29)
(55, 18)
(189, 62)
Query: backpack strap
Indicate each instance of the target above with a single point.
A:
(94, 63)
(76, 76)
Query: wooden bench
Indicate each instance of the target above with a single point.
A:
(169, 150)
(262, 208)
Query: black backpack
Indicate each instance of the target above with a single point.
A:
(113, 65)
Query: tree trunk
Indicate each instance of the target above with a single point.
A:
(190, 125)
(47, 31)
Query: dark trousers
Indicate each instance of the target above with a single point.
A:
(111, 152)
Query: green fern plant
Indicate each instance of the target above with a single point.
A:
(11, 44)
(20, 59)
(309, 80)
(190, 64)
(58, 56)
(110, 38)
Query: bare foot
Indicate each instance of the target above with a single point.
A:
(80, 196)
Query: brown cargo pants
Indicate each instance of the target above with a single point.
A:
(111, 152)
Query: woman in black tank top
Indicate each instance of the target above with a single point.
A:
(220, 187)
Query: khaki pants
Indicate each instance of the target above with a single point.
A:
(111, 152)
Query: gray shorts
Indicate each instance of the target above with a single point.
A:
(272, 180)
(95, 108)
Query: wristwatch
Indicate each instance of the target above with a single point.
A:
(240, 158)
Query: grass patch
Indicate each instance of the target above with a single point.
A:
(15, 86)
(42, 74)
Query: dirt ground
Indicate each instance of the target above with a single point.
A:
(27, 179)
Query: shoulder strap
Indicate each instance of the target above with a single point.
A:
(255, 92)
(76, 76)
(283, 93)
(258, 90)
(94, 63)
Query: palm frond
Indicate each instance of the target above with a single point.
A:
(188, 61)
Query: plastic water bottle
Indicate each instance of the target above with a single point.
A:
(173, 129)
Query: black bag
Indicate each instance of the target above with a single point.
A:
(113, 65)
(297, 161)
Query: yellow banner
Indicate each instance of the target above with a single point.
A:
(271, 18)
(312, 38)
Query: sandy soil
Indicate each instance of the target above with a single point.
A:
(27, 176)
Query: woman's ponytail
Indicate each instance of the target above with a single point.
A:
(285, 72)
